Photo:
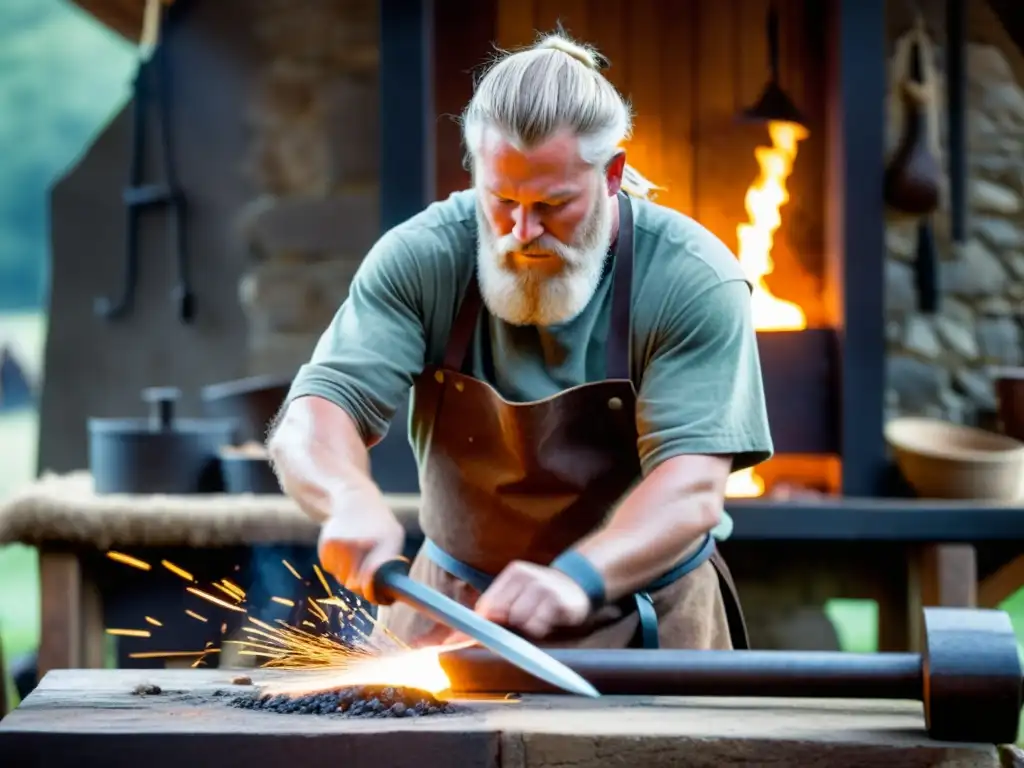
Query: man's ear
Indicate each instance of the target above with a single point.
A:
(613, 172)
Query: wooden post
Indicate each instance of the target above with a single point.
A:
(71, 615)
(939, 575)
(855, 234)
(406, 110)
(60, 585)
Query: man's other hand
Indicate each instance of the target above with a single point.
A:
(534, 599)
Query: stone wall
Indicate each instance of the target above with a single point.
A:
(313, 160)
(939, 364)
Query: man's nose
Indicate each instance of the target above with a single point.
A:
(527, 226)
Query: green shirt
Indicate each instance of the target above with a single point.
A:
(694, 357)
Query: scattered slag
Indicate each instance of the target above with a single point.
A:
(363, 701)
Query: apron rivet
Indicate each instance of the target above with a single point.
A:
(459, 386)
(439, 377)
(615, 404)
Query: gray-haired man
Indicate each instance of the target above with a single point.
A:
(585, 376)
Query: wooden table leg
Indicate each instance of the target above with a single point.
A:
(1002, 584)
(71, 615)
(60, 585)
(939, 575)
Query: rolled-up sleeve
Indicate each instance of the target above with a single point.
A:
(367, 358)
(701, 391)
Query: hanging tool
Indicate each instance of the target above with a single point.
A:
(774, 105)
(392, 582)
(151, 90)
(913, 177)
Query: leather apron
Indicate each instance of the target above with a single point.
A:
(504, 481)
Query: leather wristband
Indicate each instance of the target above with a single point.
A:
(579, 569)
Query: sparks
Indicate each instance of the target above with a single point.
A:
(234, 588)
(171, 654)
(227, 592)
(130, 632)
(134, 562)
(214, 600)
(320, 575)
(310, 644)
(176, 570)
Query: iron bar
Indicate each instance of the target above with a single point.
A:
(663, 672)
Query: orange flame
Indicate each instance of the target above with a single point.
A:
(764, 201)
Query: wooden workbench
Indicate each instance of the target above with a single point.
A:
(798, 551)
(90, 717)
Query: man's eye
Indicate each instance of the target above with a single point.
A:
(552, 206)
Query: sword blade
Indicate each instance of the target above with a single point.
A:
(393, 580)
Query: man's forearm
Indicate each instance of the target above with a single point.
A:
(678, 502)
(319, 456)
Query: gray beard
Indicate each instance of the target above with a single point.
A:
(531, 297)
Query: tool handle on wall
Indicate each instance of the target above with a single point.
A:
(926, 271)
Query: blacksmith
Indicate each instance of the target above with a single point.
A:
(584, 374)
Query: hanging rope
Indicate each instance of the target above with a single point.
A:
(150, 36)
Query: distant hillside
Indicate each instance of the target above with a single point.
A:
(62, 75)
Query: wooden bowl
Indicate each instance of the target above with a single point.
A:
(941, 460)
(1010, 400)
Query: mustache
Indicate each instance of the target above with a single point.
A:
(545, 244)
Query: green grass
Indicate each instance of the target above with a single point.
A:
(19, 569)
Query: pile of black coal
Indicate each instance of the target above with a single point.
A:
(363, 701)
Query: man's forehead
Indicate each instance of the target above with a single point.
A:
(557, 159)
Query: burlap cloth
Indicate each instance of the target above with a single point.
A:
(63, 509)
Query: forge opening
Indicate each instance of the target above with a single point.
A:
(764, 204)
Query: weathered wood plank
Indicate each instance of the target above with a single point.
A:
(91, 715)
(60, 588)
(677, 64)
(1002, 584)
(607, 26)
(722, 171)
(516, 24)
(645, 88)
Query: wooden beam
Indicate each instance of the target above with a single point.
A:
(912, 521)
(1004, 583)
(60, 588)
(464, 32)
(407, 133)
(855, 233)
(122, 16)
(939, 575)
(1011, 16)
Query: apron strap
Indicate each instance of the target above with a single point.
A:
(462, 329)
(477, 579)
(619, 331)
(647, 630)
